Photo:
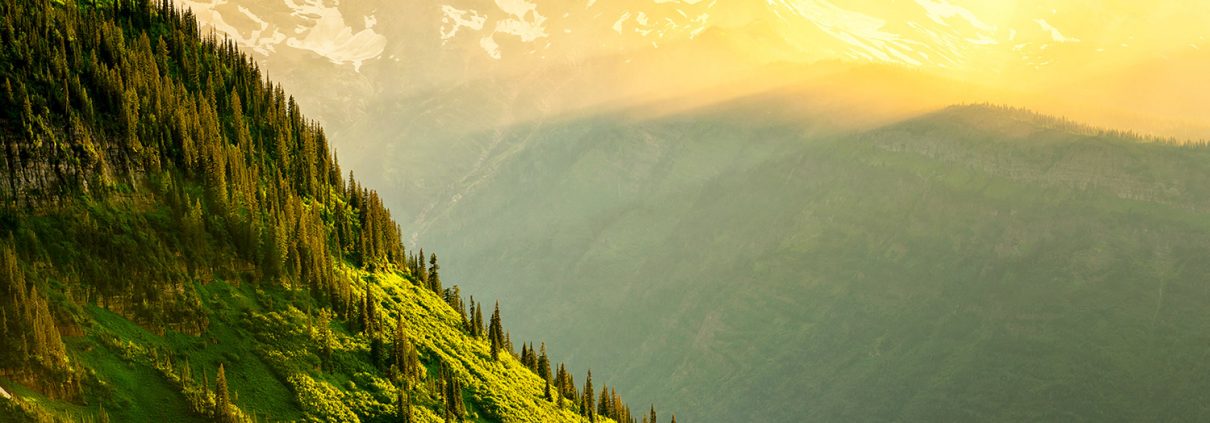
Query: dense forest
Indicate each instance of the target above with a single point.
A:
(178, 242)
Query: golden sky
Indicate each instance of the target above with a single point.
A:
(1125, 64)
(999, 41)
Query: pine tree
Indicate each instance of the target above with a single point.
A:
(544, 364)
(434, 280)
(404, 410)
(546, 391)
(422, 273)
(406, 362)
(652, 419)
(478, 320)
(222, 401)
(603, 402)
(586, 406)
(455, 408)
(494, 333)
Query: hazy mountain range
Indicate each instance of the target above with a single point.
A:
(767, 211)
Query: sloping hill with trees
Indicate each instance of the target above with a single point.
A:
(975, 263)
(177, 243)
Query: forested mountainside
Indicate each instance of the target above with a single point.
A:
(978, 263)
(177, 243)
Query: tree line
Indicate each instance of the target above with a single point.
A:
(141, 156)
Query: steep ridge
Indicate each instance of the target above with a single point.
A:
(177, 243)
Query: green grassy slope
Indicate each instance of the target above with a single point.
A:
(977, 264)
(268, 346)
(178, 244)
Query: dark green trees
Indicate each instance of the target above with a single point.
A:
(222, 399)
(125, 133)
(405, 364)
(455, 408)
(495, 333)
(544, 373)
(434, 280)
(586, 401)
(29, 338)
(404, 405)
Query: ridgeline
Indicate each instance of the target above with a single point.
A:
(177, 243)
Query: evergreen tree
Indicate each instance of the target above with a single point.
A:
(494, 333)
(478, 320)
(404, 410)
(455, 408)
(546, 390)
(652, 419)
(473, 324)
(586, 406)
(406, 361)
(434, 280)
(603, 402)
(544, 364)
(422, 273)
(222, 401)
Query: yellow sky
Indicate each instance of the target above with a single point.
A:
(1126, 64)
(996, 40)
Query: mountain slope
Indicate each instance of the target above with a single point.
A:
(976, 263)
(177, 243)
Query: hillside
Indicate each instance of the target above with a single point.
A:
(177, 243)
(973, 264)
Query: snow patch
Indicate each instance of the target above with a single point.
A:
(454, 19)
(941, 10)
(262, 40)
(525, 22)
(489, 45)
(330, 37)
(1054, 32)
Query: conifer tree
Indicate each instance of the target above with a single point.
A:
(586, 406)
(404, 410)
(546, 390)
(422, 273)
(222, 400)
(544, 364)
(494, 333)
(478, 319)
(652, 419)
(603, 402)
(472, 325)
(406, 362)
(434, 280)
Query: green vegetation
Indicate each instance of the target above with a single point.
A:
(177, 244)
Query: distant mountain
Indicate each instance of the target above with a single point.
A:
(728, 202)
(412, 91)
(177, 243)
(976, 263)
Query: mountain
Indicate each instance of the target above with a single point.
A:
(177, 243)
(974, 263)
(774, 211)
